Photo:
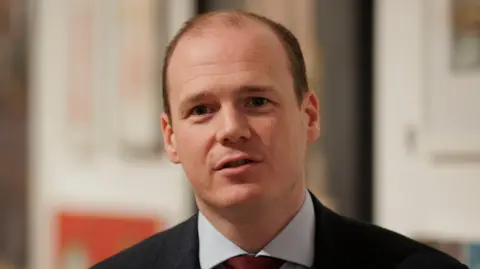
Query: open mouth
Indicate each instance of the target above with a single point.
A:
(237, 163)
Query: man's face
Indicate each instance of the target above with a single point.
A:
(236, 126)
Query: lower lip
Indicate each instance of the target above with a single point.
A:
(231, 171)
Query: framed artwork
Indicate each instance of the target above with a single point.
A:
(142, 36)
(450, 110)
(465, 33)
(112, 96)
(85, 239)
(80, 116)
(94, 125)
(474, 256)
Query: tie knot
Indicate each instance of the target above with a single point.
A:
(251, 262)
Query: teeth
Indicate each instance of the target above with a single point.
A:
(236, 163)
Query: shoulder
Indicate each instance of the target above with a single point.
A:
(397, 250)
(161, 248)
(376, 247)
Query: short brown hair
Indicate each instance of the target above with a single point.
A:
(234, 19)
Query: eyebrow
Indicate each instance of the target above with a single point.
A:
(193, 99)
(255, 89)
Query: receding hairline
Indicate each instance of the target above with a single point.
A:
(226, 18)
(209, 23)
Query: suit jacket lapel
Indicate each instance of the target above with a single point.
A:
(326, 247)
(319, 246)
(183, 253)
(189, 258)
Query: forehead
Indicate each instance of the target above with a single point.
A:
(216, 51)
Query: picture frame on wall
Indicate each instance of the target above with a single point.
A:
(113, 94)
(450, 94)
(87, 238)
(465, 33)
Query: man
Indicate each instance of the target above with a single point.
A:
(238, 117)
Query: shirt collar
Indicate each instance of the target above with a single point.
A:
(295, 243)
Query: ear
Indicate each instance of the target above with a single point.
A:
(312, 116)
(169, 139)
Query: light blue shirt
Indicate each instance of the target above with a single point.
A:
(295, 244)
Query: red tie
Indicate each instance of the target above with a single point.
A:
(251, 262)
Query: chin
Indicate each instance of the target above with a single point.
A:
(240, 194)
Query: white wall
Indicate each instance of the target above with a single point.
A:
(414, 194)
(105, 183)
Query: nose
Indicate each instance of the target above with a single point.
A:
(233, 126)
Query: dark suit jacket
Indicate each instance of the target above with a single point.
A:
(340, 243)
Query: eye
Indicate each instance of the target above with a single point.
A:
(257, 101)
(200, 110)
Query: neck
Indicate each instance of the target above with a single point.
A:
(252, 227)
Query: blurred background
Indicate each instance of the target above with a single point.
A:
(82, 169)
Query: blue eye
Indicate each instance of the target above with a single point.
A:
(257, 101)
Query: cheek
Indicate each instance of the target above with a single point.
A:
(267, 130)
(277, 134)
(190, 148)
(289, 138)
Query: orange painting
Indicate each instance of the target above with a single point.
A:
(85, 240)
